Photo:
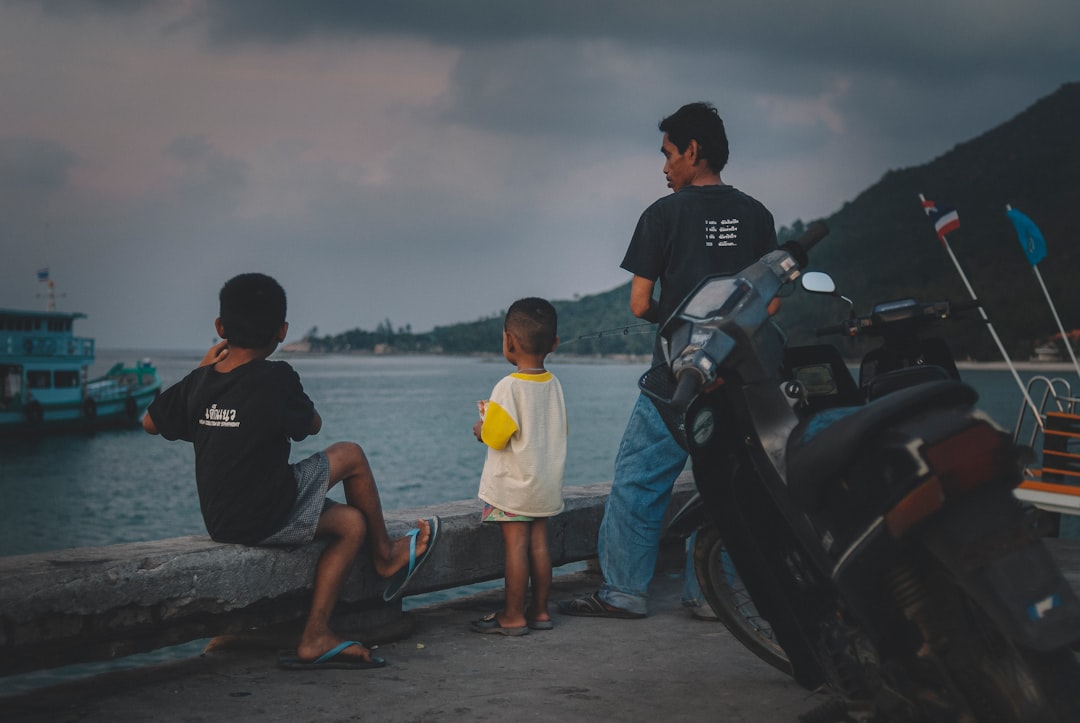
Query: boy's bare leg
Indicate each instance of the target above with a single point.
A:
(345, 528)
(516, 542)
(539, 568)
(348, 527)
(349, 465)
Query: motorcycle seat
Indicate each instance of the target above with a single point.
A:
(820, 447)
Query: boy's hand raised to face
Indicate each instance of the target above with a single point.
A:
(216, 353)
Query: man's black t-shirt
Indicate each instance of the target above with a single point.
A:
(697, 231)
(240, 423)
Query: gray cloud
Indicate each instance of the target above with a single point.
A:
(427, 161)
(937, 39)
(32, 168)
(210, 177)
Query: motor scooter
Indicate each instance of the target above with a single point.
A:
(873, 525)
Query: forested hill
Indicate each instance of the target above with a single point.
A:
(882, 246)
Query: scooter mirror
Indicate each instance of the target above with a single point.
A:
(819, 282)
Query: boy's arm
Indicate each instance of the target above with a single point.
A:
(215, 353)
(496, 428)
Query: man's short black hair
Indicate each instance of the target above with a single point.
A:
(702, 123)
(534, 323)
(252, 310)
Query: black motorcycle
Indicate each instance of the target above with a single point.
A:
(872, 525)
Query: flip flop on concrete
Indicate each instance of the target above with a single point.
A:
(490, 624)
(331, 659)
(400, 579)
(591, 606)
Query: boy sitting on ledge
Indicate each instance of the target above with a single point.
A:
(240, 410)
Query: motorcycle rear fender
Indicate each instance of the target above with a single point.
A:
(1007, 571)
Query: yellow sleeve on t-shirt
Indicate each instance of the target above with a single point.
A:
(498, 427)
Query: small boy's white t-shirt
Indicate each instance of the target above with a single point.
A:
(525, 431)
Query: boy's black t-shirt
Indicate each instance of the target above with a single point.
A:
(697, 231)
(240, 423)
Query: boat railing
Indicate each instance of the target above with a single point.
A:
(45, 345)
(1054, 401)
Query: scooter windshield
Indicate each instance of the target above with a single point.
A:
(717, 299)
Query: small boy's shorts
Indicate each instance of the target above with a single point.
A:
(494, 514)
(312, 482)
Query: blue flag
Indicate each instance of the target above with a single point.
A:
(1031, 238)
(43, 274)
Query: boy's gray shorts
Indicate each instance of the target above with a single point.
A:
(312, 482)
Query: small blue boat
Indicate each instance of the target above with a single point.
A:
(44, 378)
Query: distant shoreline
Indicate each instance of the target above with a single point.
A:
(1026, 365)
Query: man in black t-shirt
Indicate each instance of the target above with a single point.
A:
(704, 227)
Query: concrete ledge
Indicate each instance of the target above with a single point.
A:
(100, 603)
(90, 604)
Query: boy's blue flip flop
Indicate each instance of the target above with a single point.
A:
(331, 659)
(400, 580)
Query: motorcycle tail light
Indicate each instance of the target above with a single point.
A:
(915, 506)
(966, 460)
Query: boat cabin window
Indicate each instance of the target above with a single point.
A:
(10, 383)
(38, 379)
(65, 378)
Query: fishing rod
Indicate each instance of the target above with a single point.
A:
(624, 330)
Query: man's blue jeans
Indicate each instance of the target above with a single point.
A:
(646, 467)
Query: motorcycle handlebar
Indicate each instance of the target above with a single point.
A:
(689, 385)
(816, 231)
(921, 314)
(799, 247)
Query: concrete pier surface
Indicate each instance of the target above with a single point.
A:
(670, 666)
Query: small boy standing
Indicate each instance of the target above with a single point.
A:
(240, 411)
(524, 427)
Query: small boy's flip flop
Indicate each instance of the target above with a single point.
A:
(400, 579)
(331, 659)
(490, 624)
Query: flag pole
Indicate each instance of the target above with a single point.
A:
(1053, 310)
(986, 320)
(1064, 336)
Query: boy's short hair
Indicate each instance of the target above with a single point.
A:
(534, 323)
(252, 310)
(702, 123)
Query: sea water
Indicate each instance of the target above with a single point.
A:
(413, 415)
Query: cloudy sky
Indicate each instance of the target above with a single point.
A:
(427, 161)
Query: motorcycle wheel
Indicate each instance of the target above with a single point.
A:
(1002, 681)
(724, 590)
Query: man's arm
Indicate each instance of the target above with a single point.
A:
(642, 304)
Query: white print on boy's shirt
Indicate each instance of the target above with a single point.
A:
(215, 417)
(721, 233)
